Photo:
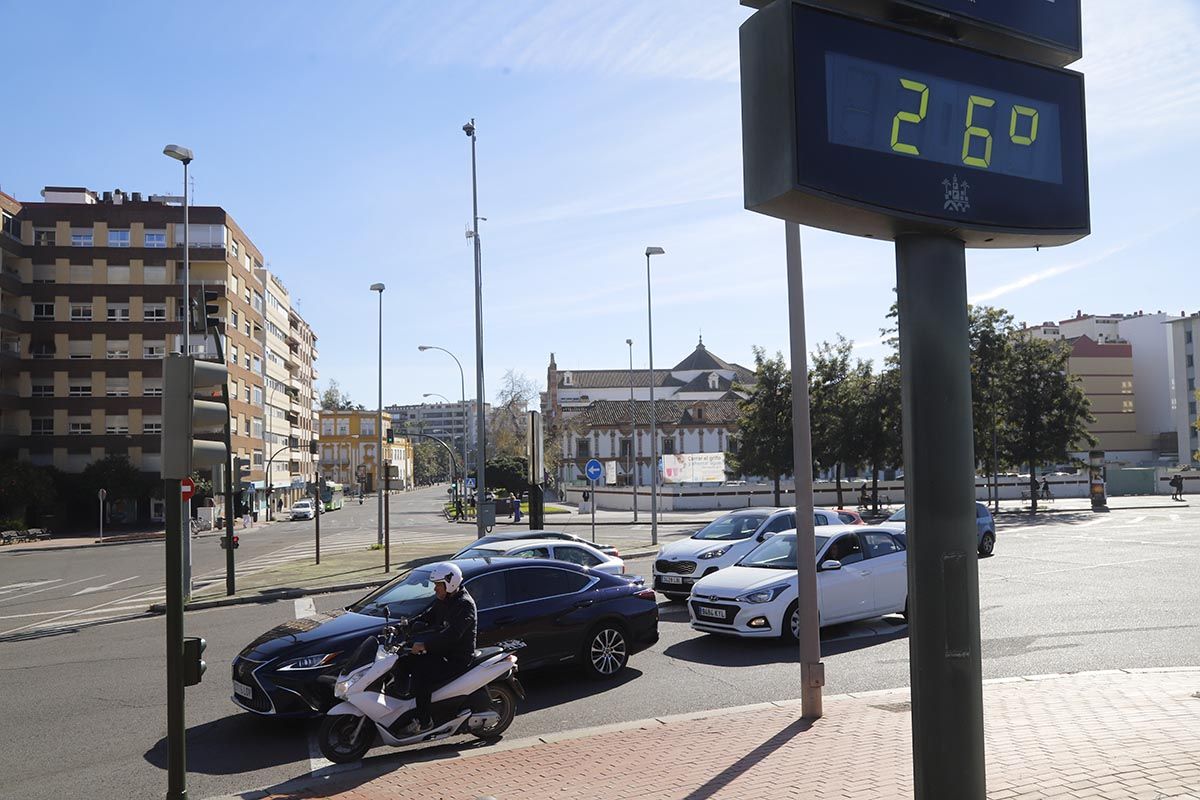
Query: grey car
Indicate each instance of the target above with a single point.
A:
(985, 527)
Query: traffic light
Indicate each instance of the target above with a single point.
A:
(212, 309)
(225, 542)
(193, 664)
(184, 415)
(391, 437)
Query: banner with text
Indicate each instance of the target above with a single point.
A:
(694, 468)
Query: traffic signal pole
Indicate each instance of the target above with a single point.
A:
(176, 724)
(230, 570)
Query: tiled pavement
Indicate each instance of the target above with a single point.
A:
(1110, 735)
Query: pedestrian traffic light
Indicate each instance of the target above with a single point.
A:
(184, 415)
(225, 540)
(391, 437)
(212, 309)
(193, 664)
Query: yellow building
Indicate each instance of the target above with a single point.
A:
(349, 441)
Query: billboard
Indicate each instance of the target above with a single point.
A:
(693, 468)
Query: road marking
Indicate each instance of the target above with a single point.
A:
(105, 586)
(12, 587)
(48, 588)
(305, 607)
(34, 614)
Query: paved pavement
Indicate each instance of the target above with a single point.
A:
(1127, 734)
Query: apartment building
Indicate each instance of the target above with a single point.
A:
(450, 422)
(289, 349)
(349, 441)
(91, 300)
(1183, 333)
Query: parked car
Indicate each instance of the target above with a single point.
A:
(564, 614)
(862, 573)
(985, 527)
(849, 517)
(303, 509)
(557, 549)
(721, 543)
(523, 534)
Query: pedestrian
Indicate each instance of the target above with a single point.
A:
(246, 520)
(1177, 487)
(516, 508)
(1045, 489)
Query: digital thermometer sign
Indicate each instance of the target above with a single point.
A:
(872, 129)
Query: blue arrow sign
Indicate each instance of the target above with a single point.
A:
(594, 470)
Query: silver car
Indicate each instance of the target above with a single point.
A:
(985, 527)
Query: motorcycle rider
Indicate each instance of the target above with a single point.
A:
(444, 649)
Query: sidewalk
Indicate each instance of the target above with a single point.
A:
(1128, 734)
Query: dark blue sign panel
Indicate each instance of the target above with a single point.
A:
(1056, 22)
(865, 128)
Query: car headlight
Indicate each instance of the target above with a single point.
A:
(764, 595)
(309, 662)
(720, 551)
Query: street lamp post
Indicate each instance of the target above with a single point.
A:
(379, 287)
(466, 425)
(633, 432)
(652, 251)
(480, 433)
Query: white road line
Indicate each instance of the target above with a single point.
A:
(48, 588)
(91, 589)
(34, 614)
(12, 587)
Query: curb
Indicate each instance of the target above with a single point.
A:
(444, 754)
(270, 596)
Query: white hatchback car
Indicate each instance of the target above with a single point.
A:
(573, 552)
(303, 509)
(863, 573)
(722, 543)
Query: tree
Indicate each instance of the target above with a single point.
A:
(831, 396)
(991, 332)
(764, 444)
(23, 485)
(876, 408)
(430, 462)
(507, 472)
(117, 476)
(506, 434)
(1045, 410)
(334, 399)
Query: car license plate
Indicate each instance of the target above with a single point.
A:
(715, 613)
(670, 579)
(242, 690)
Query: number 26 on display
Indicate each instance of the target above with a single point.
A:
(972, 131)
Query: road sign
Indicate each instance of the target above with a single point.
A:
(866, 128)
(187, 487)
(594, 470)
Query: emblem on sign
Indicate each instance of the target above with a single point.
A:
(956, 195)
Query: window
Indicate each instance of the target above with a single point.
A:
(43, 426)
(11, 226)
(489, 590)
(233, 245)
(156, 238)
(880, 544)
(1188, 359)
(118, 237)
(152, 387)
(366, 426)
(233, 359)
(42, 389)
(575, 555)
(44, 273)
(845, 549)
(233, 321)
(583, 448)
(152, 425)
(819, 519)
(668, 446)
(116, 387)
(258, 302)
(116, 424)
(258, 396)
(79, 427)
(81, 273)
(343, 426)
(532, 552)
(784, 522)
(115, 349)
(536, 583)
(43, 311)
(81, 312)
(81, 237)
(246, 389)
(246, 426)
(118, 312)
(626, 448)
(1187, 337)
(257, 368)
(79, 348)
(118, 275)
(154, 312)
(44, 237)
(41, 350)
(327, 427)
(257, 458)
(154, 349)
(256, 428)
(156, 275)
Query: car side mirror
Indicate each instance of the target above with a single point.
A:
(762, 537)
(830, 565)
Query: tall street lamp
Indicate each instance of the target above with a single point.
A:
(652, 251)
(379, 287)
(185, 155)
(466, 425)
(633, 432)
(480, 433)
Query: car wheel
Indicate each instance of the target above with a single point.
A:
(987, 544)
(790, 626)
(606, 652)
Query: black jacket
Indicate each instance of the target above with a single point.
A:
(448, 627)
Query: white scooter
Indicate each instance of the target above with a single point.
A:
(481, 702)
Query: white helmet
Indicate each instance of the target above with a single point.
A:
(447, 573)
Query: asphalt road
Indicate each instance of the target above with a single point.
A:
(1071, 591)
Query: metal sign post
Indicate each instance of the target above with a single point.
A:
(594, 470)
(102, 494)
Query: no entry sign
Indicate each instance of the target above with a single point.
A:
(187, 487)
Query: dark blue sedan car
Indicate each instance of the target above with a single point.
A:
(563, 612)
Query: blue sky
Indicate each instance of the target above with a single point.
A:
(332, 133)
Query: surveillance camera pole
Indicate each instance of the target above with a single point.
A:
(480, 423)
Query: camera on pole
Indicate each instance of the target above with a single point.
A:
(193, 664)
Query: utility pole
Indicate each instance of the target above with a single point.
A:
(481, 522)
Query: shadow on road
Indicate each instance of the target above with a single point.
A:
(728, 651)
(238, 743)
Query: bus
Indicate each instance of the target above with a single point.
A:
(332, 496)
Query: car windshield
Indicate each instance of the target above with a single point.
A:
(481, 552)
(778, 552)
(897, 517)
(406, 596)
(301, 504)
(734, 526)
